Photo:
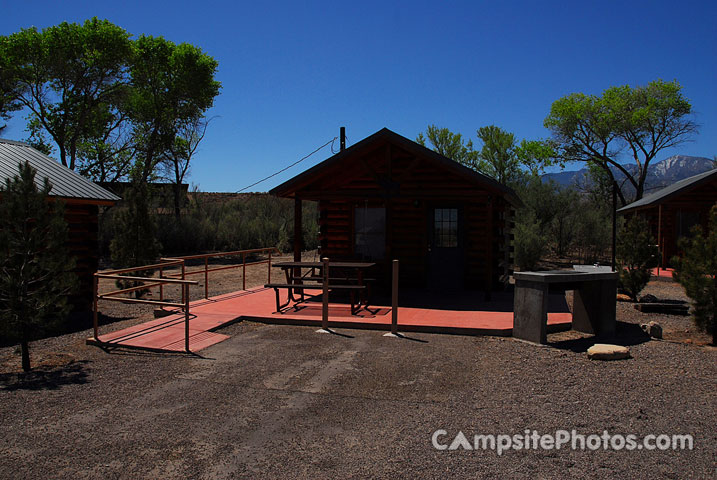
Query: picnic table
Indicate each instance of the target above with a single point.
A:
(315, 279)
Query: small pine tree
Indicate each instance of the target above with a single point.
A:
(36, 270)
(636, 255)
(135, 243)
(696, 271)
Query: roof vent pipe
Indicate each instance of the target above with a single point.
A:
(343, 138)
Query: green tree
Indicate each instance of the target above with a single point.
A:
(106, 101)
(8, 103)
(65, 75)
(171, 85)
(696, 271)
(536, 155)
(176, 159)
(36, 272)
(497, 157)
(636, 256)
(450, 145)
(640, 122)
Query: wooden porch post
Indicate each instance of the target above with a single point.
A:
(489, 251)
(297, 229)
(394, 298)
(325, 295)
(659, 239)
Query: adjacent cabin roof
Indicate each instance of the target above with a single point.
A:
(291, 186)
(65, 183)
(671, 191)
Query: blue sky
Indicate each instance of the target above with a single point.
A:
(292, 73)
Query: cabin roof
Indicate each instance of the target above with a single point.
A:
(667, 193)
(65, 183)
(291, 186)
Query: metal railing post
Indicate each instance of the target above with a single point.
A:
(243, 271)
(325, 305)
(394, 298)
(185, 290)
(95, 292)
(269, 272)
(161, 285)
(206, 277)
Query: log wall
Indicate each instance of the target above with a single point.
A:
(409, 188)
(82, 245)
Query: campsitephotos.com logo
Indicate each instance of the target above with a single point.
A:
(561, 439)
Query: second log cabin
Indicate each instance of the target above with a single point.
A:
(387, 197)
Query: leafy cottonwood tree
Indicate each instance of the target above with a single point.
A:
(450, 145)
(35, 270)
(177, 158)
(171, 85)
(8, 104)
(696, 271)
(500, 157)
(104, 100)
(640, 122)
(65, 75)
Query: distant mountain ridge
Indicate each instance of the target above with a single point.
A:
(659, 175)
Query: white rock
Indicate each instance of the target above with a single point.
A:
(605, 351)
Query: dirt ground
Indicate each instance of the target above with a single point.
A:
(286, 402)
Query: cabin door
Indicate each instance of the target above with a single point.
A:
(445, 248)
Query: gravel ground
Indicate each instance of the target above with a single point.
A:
(279, 401)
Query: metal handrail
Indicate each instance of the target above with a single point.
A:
(206, 270)
(156, 282)
(169, 279)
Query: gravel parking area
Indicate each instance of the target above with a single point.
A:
(286, 402)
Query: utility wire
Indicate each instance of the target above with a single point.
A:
(293, 164)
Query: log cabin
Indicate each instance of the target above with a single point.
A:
(674, 210)
(387, 197)
(82, 200)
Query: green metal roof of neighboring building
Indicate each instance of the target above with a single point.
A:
(65, 182)
(668, 192)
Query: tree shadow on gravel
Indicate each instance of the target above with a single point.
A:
(626, 334)
(75, 322)
(45, 378)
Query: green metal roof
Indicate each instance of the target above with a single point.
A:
(65, 182)
(668, 192)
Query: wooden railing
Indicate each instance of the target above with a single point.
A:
(173, 279)
(121, 275)
(268, 251)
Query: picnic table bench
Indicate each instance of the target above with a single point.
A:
(295, 282)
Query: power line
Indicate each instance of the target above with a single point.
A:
(293, 164)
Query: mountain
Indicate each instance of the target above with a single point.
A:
(659, 175)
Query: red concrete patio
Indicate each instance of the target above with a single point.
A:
(259, 305)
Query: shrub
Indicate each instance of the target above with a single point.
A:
(696, 270)
(636, 256)
(529, 243)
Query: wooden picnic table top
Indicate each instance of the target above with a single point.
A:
(320, 264)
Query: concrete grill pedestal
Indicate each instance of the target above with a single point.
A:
(593, 301)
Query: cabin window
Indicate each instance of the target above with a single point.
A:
(445, 227)
(370, 228)
(685, 221)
